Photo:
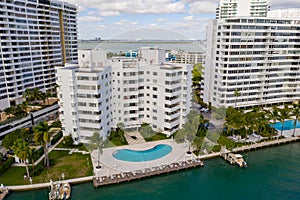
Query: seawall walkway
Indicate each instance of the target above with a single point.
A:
(45, 185)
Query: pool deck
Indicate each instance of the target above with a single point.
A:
(112, 167)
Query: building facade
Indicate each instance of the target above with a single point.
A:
(98, 94)
(84, 93)
(149, 90)
(36, 36)
(252, 61)
(233, 8)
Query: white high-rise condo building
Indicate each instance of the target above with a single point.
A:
(36, 36)
(252, 61)
(99, 94)
(149, 90)
(233, 8)
(84, 93)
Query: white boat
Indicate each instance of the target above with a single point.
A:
(59, 191)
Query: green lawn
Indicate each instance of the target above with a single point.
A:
(14, 176)
(156, 137)
(72, 165)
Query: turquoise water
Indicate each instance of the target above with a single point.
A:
(288, 125)
(154, 153)
(272, 174)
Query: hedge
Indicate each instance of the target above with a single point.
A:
(6, 164)
(56, 138)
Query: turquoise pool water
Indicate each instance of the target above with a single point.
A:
(288, 125)
(154, 153)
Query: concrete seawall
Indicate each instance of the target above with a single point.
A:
(46, 185)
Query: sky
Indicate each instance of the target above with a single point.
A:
(150, 19)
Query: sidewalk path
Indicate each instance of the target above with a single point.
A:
(139, 138)
(71, 150)
(45, 185)
(42, 157)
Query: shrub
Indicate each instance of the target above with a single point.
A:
(6, 164)
(56, 138)
(36, 171)
(68, 141)
(38, 153)
(56, 124)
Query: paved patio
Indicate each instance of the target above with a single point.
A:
(111, 166)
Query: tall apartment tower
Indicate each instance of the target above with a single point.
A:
(233, 8)
(84, 93)
(98, 94)
(149, 90)
(36, 35)
(252, 61)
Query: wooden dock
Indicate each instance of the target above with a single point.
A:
(147, 172)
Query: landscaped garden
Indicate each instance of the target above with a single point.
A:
(71, 165)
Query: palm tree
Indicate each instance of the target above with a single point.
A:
(273, 115)
(42, 137)
(9, 111)
(284, 114)
(48, 95)
(236, 94)
(23, 151)
(197, 142)
(296, 114)
(97, 142)
(37, 94)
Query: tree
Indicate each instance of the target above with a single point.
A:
(189, 129)
(296, 114)
(97, 142)
(48, 95)
(284, 114)
(273, 115)
(42, 137)
(10, 138)
(23, 151)
(9, 111)
(233, 120)
(197, 142)
(237, 93)
(33, 94)
(68, 140)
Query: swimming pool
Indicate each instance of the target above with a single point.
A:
(288, 125)
(154, 153)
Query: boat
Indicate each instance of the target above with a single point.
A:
(238, 159)
(234, 159)
(65, 191)
(59, 191)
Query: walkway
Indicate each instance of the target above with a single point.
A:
(266, 144)
(42, 157)
(134, 137)
(71, 150)
(45, 185)
(111, 166)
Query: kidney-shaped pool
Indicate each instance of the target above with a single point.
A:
(154, 153)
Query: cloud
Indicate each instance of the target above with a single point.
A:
(188, 18)
(117, 7)
(202, 7)
(121, 22)
(276, 4)
(90, 19)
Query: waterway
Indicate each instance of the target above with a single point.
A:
(117, 47)
(272, 173)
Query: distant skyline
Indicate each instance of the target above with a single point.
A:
(145, 19)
